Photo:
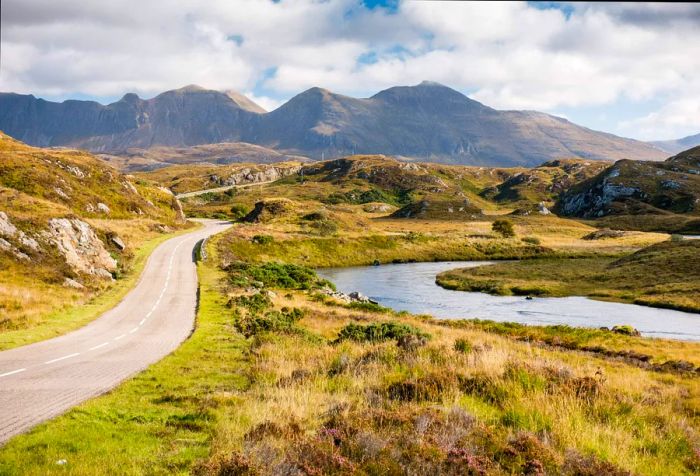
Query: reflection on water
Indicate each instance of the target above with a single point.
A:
(411, 287)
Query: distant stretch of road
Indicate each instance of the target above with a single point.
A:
(40, 381)
(220, 189)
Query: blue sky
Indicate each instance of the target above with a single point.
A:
(629, 69)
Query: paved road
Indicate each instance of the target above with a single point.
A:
(40, 381)
(221, 189)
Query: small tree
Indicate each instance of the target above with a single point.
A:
(504, 228)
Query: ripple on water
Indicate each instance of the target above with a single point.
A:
(411, 287)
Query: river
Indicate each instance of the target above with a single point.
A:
(411, 287)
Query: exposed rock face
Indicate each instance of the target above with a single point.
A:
(6, 227)
(118, 242)
(439, 210)
(102, 208)
(428, 121)
(80, 246)
(10, 231)
(179, 213)
(248, 175)
(631, 187)
(72, 283)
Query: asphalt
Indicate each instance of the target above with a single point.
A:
(43, 380)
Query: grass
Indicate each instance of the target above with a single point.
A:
(52, 316)
(161, 421)
(473, 398)
(663, 275)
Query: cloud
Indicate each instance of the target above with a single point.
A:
(508, 55)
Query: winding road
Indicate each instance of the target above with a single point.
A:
(42, 380)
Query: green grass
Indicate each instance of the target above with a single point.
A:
(346, 251)
(65, 320)
(297, 396)
(663, 275)
(159, 422)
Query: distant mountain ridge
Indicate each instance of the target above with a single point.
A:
(677, 145)
(428, 122)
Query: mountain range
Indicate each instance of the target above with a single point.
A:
(428, 121)
(678, 145)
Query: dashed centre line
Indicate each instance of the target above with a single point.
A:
(62, 358)
(132, 331)
(6, 374)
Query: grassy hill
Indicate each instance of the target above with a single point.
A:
(544, 183)
(69, 225)
(644, 195)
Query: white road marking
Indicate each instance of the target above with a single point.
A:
(62, 358)
(12, 373)
(165, 287)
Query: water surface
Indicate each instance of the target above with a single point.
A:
(411, 287)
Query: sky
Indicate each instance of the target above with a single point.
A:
(629, 69)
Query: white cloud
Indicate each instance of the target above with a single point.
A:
(509, 55)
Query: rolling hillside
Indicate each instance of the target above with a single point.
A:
(70, 225)
(665, 193)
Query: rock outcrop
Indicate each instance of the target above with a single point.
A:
(80, 247)
(249, 175)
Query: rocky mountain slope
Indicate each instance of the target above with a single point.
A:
(631, 187)
(545, 182)
(68, 221)
(428, 121)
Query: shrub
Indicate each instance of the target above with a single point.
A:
(279, 275)
(283, 321)
(324, 227)
(429, 387)
(262, 239)
(626, 330)
(504, 228)
(378, 332)
(238, 211)
(533, 240)
(463, 346)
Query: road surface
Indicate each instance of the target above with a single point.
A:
(42, 380)
(221, 189)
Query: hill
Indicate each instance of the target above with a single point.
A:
(545, 182)
(428, 121)
(134, 159)
(669, 190)
(69, 226)
(678, 145)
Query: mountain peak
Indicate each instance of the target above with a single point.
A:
(190, 88)
(426, 82)
(244, 102)
(130, 98)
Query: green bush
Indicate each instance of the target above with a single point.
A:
(262, 239)
(377, 332)
(283, 321)
(238, 211)
(277, 275)
(324, 227)
(504, 228)
(463, 346)
(533, 240)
